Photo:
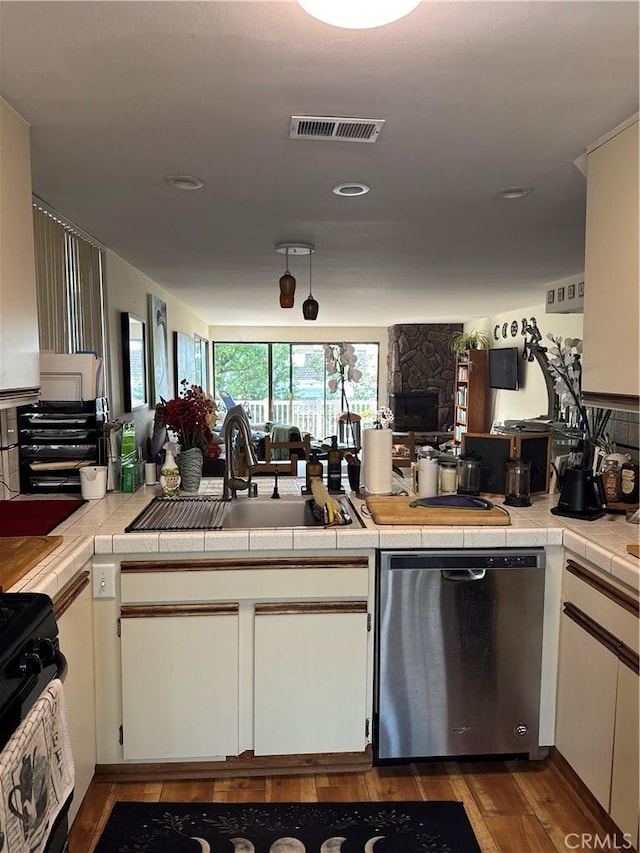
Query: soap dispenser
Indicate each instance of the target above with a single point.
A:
(313, 471)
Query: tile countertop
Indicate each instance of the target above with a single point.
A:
(98, 527)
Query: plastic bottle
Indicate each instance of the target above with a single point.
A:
(169, 473)
(334, 466)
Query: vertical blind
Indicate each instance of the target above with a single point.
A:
(69, 286)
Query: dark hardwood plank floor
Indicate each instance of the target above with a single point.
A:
(513, 806)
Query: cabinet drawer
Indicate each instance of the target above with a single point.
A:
(206, 580)
(612, 608)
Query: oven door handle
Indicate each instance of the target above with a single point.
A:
(61, 665)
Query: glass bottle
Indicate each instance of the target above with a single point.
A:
(334, 466)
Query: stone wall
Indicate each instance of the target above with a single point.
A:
(420, 359)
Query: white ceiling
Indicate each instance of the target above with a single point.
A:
(475, 95)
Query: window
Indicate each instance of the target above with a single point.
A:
(287, 383)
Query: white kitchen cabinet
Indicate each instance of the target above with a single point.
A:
(179, 681)
(310, 678)
(610, 359)
(597, 699)
(222, 657)
(74, 613)
(624, 776)
(19, 345)
(586, 707)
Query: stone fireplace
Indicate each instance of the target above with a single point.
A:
(420, 359)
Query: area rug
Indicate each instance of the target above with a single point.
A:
(399, 827)
(36, 517)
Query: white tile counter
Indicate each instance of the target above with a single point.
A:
(98, 527)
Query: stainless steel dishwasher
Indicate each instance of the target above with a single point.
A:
(458, 653)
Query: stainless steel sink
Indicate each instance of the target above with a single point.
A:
(243, 513)
(289, 511)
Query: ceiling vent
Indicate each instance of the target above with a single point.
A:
(336, 129)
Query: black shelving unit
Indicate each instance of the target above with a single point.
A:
(56, 439)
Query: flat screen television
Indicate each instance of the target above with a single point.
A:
(503, 368)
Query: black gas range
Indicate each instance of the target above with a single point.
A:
(30, 655)
(30, 658)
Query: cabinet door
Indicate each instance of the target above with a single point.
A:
(179, 681)
(611, 271)
(587, 676)
(624, 778)
(310, 678)
(75, 633)
(19, 347)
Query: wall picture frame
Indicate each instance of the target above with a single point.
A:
(561, 294)
(551, 297)
(134, 362)
(580, 289)
(184, 360)
(201, 352)
(159, 350)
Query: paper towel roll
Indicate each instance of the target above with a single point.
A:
(377, 447)
(427, 478)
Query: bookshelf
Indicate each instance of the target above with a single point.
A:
(471, 393)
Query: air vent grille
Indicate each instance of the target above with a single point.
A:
(335, 129)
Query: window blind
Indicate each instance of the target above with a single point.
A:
(69, 285)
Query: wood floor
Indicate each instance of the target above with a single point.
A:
(514, 807)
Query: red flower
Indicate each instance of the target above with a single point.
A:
(191, 416)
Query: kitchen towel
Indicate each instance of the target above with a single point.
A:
(377, 464)
(36, 774)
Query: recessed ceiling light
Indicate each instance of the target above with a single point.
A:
(351, 188)
(358, 14)
(514, 192)
(184, 182)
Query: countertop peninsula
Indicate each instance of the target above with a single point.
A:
(98, 528)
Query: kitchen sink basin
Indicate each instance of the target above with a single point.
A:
(243, 513)
(288, 511)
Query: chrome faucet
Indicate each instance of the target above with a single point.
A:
(237, 426)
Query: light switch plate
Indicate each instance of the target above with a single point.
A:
(104, 581)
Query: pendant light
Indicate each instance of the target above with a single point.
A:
(287, 285)
(287, 281)
(310, 305)
(358, 14)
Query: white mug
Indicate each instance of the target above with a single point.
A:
(150, 473)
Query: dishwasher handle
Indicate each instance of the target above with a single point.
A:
(460, 575)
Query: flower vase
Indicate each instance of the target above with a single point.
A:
(190, 463)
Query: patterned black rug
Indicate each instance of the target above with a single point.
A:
(391, 827)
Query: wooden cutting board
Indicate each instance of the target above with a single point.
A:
(19, 554)
(396, 510)
(634, 549)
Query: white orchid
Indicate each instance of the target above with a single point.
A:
(340, 363)
(565, 366)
